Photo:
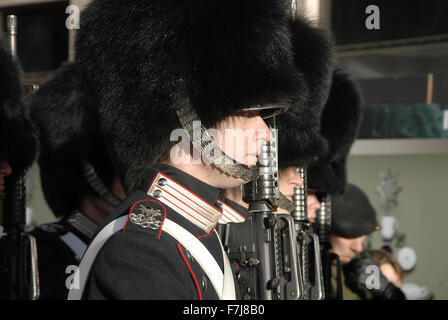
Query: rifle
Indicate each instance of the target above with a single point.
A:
(277, 272)
(19, 271)
(307, 244)
(323, 228)
(279, 254)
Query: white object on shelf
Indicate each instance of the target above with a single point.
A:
(389, 224)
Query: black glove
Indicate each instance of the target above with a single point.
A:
(364, 277)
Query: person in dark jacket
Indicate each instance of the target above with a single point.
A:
(354, 218)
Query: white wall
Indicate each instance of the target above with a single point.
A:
(422, 210)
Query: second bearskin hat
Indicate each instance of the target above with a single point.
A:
(18, 144)
(339, 125)
(65, 115)
(150, 60)
(299, 138)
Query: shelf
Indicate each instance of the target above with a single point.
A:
(399, 146)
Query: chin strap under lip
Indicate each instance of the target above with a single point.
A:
(285, 203)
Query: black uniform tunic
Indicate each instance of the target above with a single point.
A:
(54, 256)
(147, 263)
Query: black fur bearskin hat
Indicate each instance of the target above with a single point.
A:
(66, 118)
(18, 143)
(339, 125)
(148, 59)
(299, 136)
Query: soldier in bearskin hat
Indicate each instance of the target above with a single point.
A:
(340, 122)
(169, 65)
(351, 216)
(77, 176)
(299, 142)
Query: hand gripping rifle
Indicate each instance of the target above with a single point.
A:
(19, 271)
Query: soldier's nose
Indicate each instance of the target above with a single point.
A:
(357, 246)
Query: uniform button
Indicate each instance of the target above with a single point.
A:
(188, 255)
(162, 182)
(157, 193)
(204, 284)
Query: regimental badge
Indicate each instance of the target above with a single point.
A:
(146, 217)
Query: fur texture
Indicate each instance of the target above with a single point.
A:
(18, 144)
(145, 57)
(65, 115)
(300, 141)
(340, 125)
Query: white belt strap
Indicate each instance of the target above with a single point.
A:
(229, 284)
(223, 284)
(75, 244)
(87, 260)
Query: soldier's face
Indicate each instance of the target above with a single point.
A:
(346, 248)
(242, 136)
(313, 204)
(5, 170)
(239, 136)
(288, 179)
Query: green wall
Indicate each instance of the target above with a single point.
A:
(422, 210)
(36, 201)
